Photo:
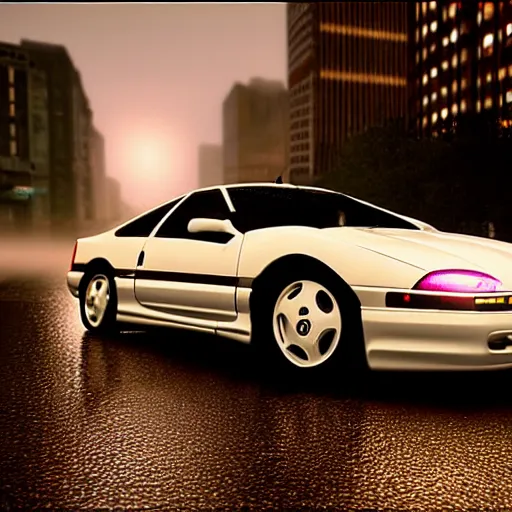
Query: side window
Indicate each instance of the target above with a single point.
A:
(267, 207)
(209, 204)
(143, 226)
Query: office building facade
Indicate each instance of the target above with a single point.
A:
(462, 65)
(255, 132)
(347, 71)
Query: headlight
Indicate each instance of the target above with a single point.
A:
(459, 281)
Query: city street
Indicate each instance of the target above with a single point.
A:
(168, 421)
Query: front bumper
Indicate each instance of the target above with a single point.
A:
(73, 281)
(432, 340)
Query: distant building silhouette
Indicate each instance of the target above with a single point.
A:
(210, 166)
(255, 131)
(114, 201)
(69, 121)
(98, 174)
(347, 71)
(461, 64)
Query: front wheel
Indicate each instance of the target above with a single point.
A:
(307, 323)
(98, 302)
(308, 320)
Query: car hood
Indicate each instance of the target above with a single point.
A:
(434, 250)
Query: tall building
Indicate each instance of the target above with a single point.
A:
(255, 132)
(16, 176)
(98, 174)
(210, 165)
(347, 71)
(69, 180)
(462, 64)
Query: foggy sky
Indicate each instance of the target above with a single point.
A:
(156, 75)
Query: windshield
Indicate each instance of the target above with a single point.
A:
(266, 207)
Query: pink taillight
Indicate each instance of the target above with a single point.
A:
(459, 281)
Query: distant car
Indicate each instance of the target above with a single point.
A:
(304, 272)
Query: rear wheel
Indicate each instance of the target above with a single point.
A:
(98, 301)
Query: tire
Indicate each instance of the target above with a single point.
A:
(314, 311)
(106, 308)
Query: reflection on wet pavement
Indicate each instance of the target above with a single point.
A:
(169, 420)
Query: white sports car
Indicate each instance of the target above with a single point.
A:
(306, 272)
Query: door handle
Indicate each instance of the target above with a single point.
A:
(140, 261)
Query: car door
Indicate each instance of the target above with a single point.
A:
(191, 276)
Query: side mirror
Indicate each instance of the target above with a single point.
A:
(211, 226)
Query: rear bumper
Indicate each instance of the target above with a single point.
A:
(73, 281)
(430, 340)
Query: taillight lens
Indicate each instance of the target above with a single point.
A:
(73, 256)
(459, 281)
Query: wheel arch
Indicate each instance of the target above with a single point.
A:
(96, 264)
(297, 260)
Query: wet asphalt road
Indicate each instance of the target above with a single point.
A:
(168, 421)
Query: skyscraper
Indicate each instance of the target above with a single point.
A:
(462, 64)
(347, 71)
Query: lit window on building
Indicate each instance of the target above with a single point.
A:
(434, 117)
(488, 10)
(454, 35)
(425, 121)
(13, 148)
(425, 79)
(488, 102)
(424, 30)
(501, 101)
(417, 56)
(479, 82)
(418, 11)
(424, 7)
(432, 47)
(444, 91)
(425, 101)
(455, 108)
(479, 52)
(464, 55)
(452, 10)
(454, 86)
(445, 65)
(433, 26)
(417, 34)
(454, 61)
(502, 73)
(478, 106)
(488, 40)
(434, 96)
(509, 97)
(12, 130)
(12, 110)
(479, 17)
(488, 77)
(444, 113)
(463, 83)
(509, 29)
(446, 41)
(11, 94)
(425, 53)
(510, 70)
(10, 73)
(445, 14)
(463, 106)
(433, 72)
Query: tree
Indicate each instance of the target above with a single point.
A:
(438, 181)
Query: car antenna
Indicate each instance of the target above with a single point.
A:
(279, 180)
